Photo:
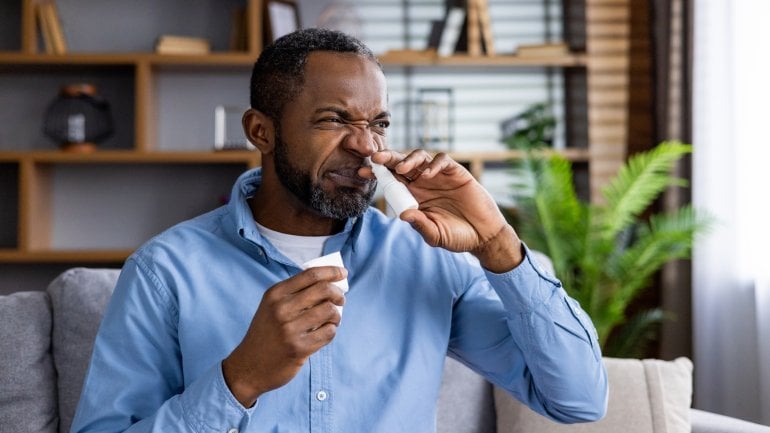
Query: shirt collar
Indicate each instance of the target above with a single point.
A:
(246, 229)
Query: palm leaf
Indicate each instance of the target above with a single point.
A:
(634, 336)
(551, 216)
(638, 183)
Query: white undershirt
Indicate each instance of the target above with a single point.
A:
(300, 249)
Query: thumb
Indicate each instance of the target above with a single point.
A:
(422, 225)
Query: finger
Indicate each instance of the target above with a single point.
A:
(388, 157)
(313, 318)
(291, 307)
(439, 164)
(320, 337)
(318, 293)
(413, 164)
(306, 278)
(423, 225)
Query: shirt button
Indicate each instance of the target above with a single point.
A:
(233, 430)
(321, 395)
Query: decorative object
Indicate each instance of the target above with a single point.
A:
(534, 127)
(606, 253)
(435, 108)
(78, 119)
(281, 17)
(228, 131)
(342, 15)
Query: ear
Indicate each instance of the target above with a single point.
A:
(259, 129)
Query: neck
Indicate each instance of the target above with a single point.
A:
(286, 214)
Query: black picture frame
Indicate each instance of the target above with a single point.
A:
(280, 17)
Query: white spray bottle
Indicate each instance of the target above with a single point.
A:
(396, 193)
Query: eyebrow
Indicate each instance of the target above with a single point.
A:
(346, 114)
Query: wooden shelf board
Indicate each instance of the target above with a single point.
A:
(212, 59)
(572, 154)
(63, 256)
(428, 58)
(225, 157)
(398, 58)
(132, 157)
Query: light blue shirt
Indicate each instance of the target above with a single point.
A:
(185, 299)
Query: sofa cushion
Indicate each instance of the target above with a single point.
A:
(646, 396)
(79, 297)
(27, 377)
(465, 403)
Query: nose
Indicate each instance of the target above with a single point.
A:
(360, 140)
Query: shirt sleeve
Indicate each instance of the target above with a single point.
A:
(522, 331)
(135, 381)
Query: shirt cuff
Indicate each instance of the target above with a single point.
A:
(209, 406)
(525, 287)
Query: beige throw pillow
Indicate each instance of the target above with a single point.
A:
(646, 396)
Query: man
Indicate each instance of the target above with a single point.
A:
(214, 326)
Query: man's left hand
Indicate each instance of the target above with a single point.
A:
(455, 213)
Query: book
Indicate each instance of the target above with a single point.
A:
(45, 29)
(427, 56)
(474, 29)
(51, 28)
(542, 50)
(434, 38)
(171, 44)
(486, 26)
(453, 25)
(238, 36)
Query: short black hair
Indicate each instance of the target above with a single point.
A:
(279, 72)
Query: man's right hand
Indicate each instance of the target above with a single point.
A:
(296, 318)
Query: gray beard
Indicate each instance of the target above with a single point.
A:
(343, 203)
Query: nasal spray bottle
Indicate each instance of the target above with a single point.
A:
(396, 193)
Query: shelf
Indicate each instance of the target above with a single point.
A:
(574, 155)
(429, 58)
(64, 256)
(250, 158)
(393, 58)
(212, 59)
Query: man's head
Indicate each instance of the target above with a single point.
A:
(319, 108)
(279, 73)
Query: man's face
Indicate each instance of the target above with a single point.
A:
(338, 119)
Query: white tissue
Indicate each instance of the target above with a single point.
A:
(333, 259)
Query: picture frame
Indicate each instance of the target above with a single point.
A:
(435, 113)
(280, 18)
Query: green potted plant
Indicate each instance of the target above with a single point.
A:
(606, 253)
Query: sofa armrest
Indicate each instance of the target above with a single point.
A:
(708, 422)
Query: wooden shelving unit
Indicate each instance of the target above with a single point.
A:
(40, 173)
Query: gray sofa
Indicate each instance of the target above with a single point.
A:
(46, 339)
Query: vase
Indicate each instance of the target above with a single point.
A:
(78, 119)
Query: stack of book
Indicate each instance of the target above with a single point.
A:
(51, 28)
(464, 28)
(169, 44)
(479, 27)
(543, 50)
